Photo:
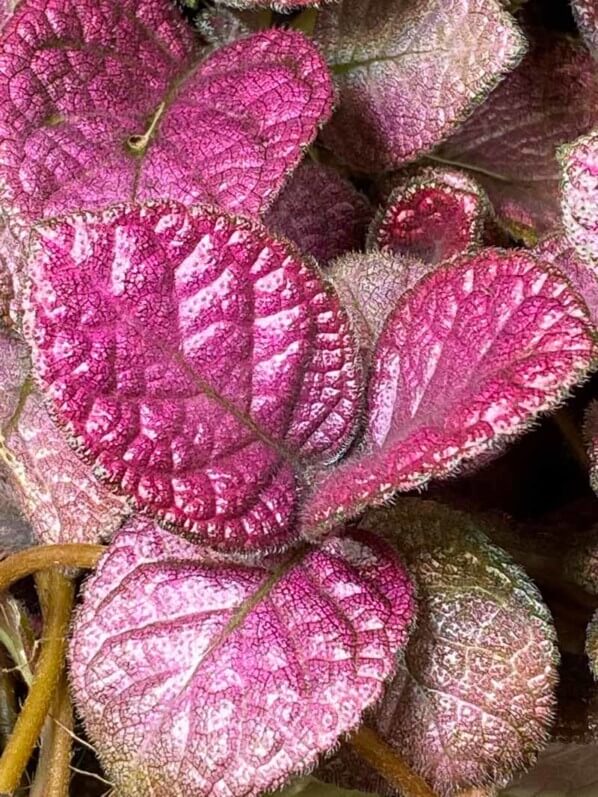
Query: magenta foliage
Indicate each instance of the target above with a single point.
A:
(271, 663)
(118, 102)
(198, 361)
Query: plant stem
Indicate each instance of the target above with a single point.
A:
(53, 775)
(43, 557)
(369, 746)
(49, 668)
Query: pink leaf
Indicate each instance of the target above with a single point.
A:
(410, 73)
(55, 490)
(201, 365)
(586, 16)
(473, 699)
(370, 285)
(432, 215)
(321, 212)
(579, 198)
(465, 362)
(217, 679)
(111, 101)
(558, 252)
(511, 140)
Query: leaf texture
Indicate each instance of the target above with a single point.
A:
(432, 215)
(409, 73)
(586, 16)
(321, 212)
(273, 662)
(370, 285)
(474, 696)
(579, 198)
(511, 140)
(198, 362)
(465, 362)
(591, 437)
(103, 102)
(53, 487)
(592, 645)
(558, 252)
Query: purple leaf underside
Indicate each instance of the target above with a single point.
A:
(510, 142)
(321, 212)
(432, 215)
(201, 366)
(409, 73)
(52, 486)
(114, 101)
(466, 361)
(579, 196)
(273, 662)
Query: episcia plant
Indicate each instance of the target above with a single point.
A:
(260, 276)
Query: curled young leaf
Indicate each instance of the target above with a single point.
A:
(409, 73)
(370, 285)
(198, 362)
(465, 362)
(431, 215)
(586, 16)
(321, 212)
(113, 101)
(53, 487)
(474, 698)
(579, 199)
(558, 252)
(510, 142)
(218, 679)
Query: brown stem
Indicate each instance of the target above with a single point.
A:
(49, 668)
(369, 746)
(44, 557)
(53, 775)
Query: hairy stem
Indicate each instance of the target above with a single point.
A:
(49, 668)
(44, 557)
(369, 746)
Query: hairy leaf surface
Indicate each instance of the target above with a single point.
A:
(201, 365)
(473, 699)
(54, 488)
(466, 361)
(511, 140)
(112, 101)
(579, 199)
(586, 16)
(558, 252)
(432, 215)
(321, 212)
(410, 72)
(272, 662)
(370, 285)
(591, 437)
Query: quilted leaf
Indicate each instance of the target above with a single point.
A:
(557, 251)
(586, 16)
(54, 488)
(591, 436)
(409, 73)
(369, 286)
(273, 662)
(102, 102)
(511, 140)
(321, 212)
(201, 365)
(579, 199)
(432, 215)
(562, 770)
(466, 361)
(474, 697)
